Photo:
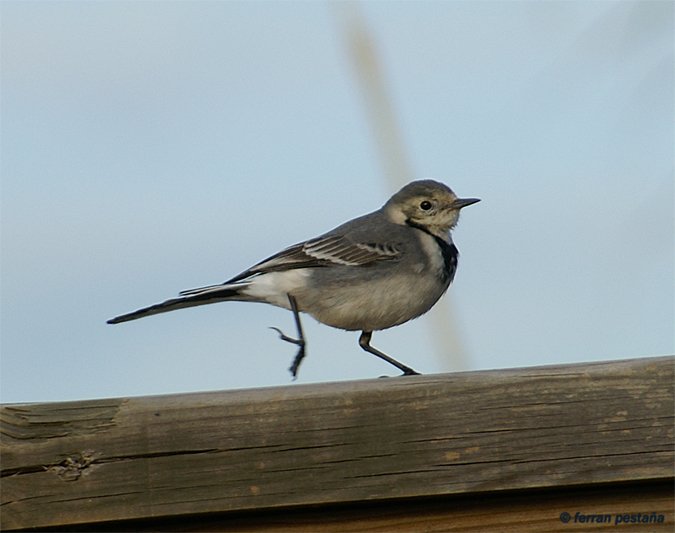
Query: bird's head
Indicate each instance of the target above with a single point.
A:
(427, 203)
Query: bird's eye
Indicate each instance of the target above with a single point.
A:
(425, 205)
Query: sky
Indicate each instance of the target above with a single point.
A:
(150, 147)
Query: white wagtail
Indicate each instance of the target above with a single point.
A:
(371, 273)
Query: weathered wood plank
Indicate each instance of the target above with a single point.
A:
(467, 433)
(646, 507)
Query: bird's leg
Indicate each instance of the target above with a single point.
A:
(364, 342)
(300, 341)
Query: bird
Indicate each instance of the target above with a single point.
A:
(369, 274)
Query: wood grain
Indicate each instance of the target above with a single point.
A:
(369, 441)
(644, 507)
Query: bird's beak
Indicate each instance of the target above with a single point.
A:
(463, 202)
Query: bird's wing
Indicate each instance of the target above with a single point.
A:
(322, 251)
(325, 251)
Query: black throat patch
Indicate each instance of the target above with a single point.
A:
(448, 251)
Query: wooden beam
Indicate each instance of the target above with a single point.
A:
(634, 508)
(383, 440)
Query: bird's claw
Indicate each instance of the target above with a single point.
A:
(296, 362)
(298, 356)
(284, 337)
(409, 372)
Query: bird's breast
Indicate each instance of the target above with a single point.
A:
(438, 255)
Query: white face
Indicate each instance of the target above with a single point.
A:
(427, 203)
(436, 209)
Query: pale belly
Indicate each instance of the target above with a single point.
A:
(373, 306)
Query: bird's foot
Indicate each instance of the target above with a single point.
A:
(298, 356)
(409, 372)
(284, 337)
(296, 362)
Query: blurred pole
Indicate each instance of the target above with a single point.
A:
(393, 157)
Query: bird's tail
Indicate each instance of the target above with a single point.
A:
(189, 298)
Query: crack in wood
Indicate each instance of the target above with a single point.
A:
(72, 467)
